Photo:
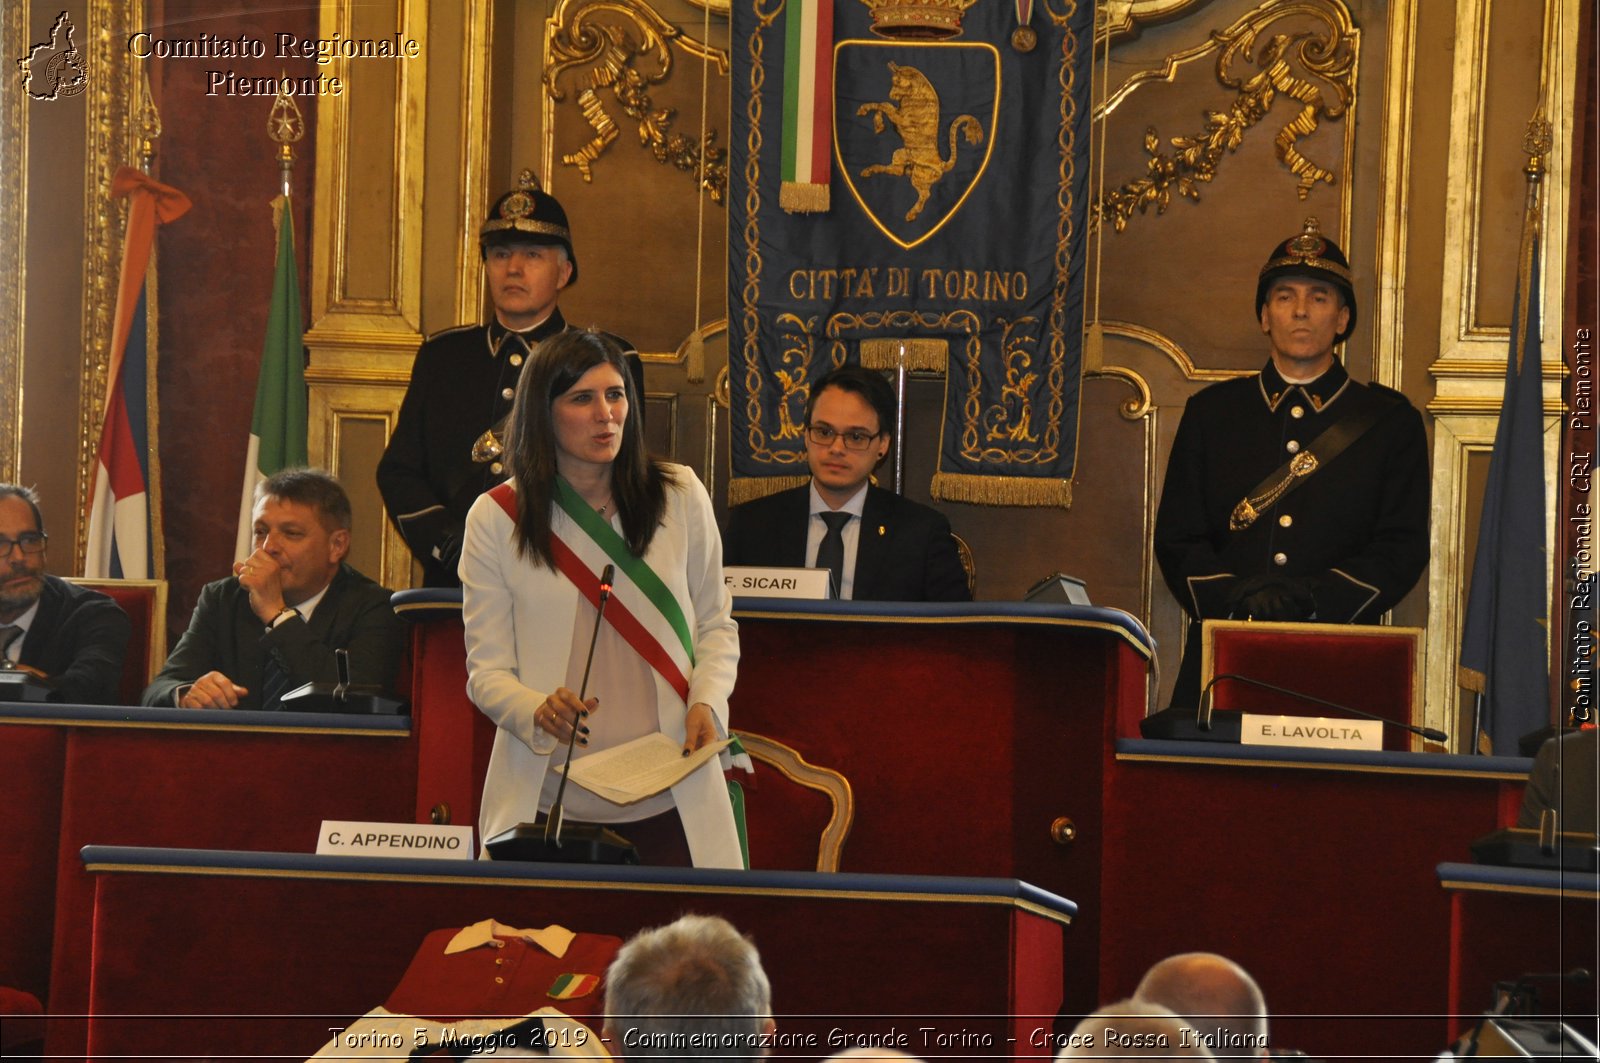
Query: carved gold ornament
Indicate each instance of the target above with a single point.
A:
(935, 20)
(602, 40)
(1316, 68)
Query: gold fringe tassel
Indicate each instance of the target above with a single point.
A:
(1472, 679)
(1002, 490)
(742, 489)
(694, 358)
(923, 354)
(798, 198)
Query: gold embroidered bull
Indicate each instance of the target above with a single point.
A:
(914, 110)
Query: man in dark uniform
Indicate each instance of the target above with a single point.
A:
(1297, 493)
(70, 638)
(879, 546)
(446, 446)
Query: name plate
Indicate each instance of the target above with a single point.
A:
(1316, 731)
(757, 582)
(415, 841)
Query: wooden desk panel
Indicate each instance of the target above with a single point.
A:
(176, 777)
(322, 940)
(1314, 871)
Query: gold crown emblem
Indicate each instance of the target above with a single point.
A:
(917, 19)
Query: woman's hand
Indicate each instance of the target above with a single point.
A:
(562, 711)
(700, 726)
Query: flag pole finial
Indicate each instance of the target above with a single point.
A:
(149, 122)
(285, 126)
(1536, 142)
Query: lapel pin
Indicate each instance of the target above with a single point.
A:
(880, 530)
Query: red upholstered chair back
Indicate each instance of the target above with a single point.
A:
(145, 602)
(1377, 669)
(797, 815)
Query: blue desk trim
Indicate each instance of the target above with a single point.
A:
(1573, 885)
(1113, 621)
(436, 601)
(839, 885)
(1383, 761)
(142, 717)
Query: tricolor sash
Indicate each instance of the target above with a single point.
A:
(642, 609)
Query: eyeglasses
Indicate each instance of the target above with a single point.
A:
(31, 543)
(854, 439)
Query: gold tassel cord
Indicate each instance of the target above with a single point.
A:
(922, 354)
(1002, 490)
(742, 489)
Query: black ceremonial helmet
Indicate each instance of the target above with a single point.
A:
(528, 214)
(1310, 254)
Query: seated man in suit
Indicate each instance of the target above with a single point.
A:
(276, 622)
(894, 550)
(71, 638)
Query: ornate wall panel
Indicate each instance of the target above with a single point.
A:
(368, 253)
(1511, 60)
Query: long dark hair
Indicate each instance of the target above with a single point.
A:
(638, 481)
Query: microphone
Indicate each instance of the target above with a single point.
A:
(1203, 715)
(582, 843)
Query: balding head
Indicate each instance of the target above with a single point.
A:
(1133, 1029)
(1216, 996)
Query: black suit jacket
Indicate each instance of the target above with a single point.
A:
(462, 383)
(226, 636)
(904, 554)
(78, 639)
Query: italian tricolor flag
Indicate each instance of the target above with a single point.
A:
(807, 106)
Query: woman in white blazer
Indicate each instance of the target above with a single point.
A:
(583, 494)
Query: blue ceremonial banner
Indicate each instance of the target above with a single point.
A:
(950, 239)
(1504, 650)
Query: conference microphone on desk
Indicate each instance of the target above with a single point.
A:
(1203, 714)
(554, 841)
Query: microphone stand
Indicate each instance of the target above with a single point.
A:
(553, 820)
(554, 841)
(1203, 716)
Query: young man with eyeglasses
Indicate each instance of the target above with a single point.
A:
(880, 546)
(72, 638)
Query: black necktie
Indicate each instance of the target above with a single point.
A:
(830, 552)
(8, 635)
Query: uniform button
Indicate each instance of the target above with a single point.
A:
(497, 468)
(499, 981)
(1280, 559)
(499, 961)
(1293, 446)
(508, 393)
(516, 360)
(1297, 412)
(1285, 521)
(499, 944)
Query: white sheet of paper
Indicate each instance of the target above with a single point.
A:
(638, 769)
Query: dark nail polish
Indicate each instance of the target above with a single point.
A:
(583, 730)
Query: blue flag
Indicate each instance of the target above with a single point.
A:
(1505, 639)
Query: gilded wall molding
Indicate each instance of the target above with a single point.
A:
(593, 45)
(339, 319)
(112, 100)
(1171, 350)
(1394, 191)
(477, 52)
(1119, 19)
(1317, 70)
(1463, 337)
(13, 270)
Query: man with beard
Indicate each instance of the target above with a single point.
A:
(70, 637)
